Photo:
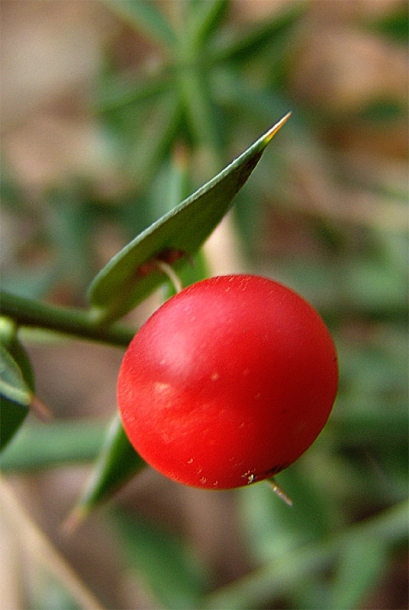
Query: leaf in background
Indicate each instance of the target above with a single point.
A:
(31, 283)
(117, 463)
(363, 559)
(270, 528)
(272, 580)
(60, 443)
(132, 274)
(393, 25)
(16, 390)
(116, 91)
(164, 562)
(204, 19)
(69, 229)
(152, 145)
(246, 45)
(144, 16)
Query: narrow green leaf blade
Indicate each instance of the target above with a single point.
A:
(12, 384)
(117, 463)
(12, 415)
(146, 156)
(145, 16)
(59, 443)
(205, 18)
(246, 45)
(16, 390)
(132, 274)
(116, 91)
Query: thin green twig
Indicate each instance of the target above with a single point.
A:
(69, 321)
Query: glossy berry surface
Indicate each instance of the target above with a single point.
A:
(228, 382)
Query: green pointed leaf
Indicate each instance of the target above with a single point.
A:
(12, 384)
(205, 18)
(16, 390)
(133, 273)
(118, 462)
(145, 16)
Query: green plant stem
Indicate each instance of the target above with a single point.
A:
(76, 322)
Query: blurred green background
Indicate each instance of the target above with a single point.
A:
(101, 101)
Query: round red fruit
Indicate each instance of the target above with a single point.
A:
(228, 382)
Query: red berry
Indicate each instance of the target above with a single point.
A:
(228, 382)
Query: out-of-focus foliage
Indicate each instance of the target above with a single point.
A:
(89, 149)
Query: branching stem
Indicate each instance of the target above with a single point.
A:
(69, 321)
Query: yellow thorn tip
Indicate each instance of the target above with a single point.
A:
(269, 135)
